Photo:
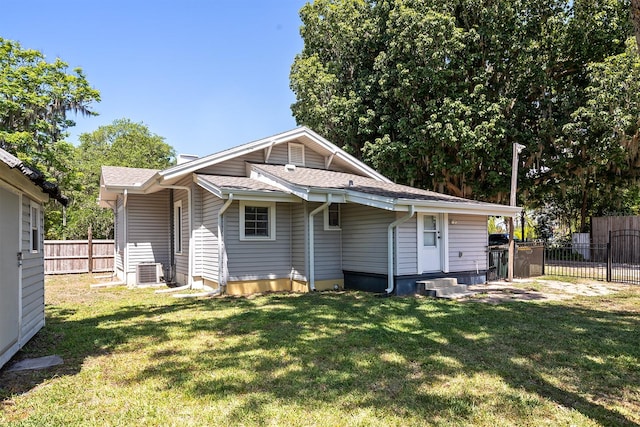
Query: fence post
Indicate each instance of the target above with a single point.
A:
(544, 256)
(90, 250)
(609, 263)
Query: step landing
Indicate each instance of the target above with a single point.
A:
(445, 287)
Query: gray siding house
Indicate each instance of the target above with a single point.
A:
(290, 212)
(23, 191)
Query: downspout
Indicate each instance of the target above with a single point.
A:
(125, 227)
(190, 264)
(390, 245)
(312, 268)
(222, 210)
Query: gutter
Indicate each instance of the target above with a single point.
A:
(312, 269)
(390, 229)
(222, 210)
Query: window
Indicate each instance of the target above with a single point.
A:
(34, 219)
(332, 217)
(177, 227)
(296, 154)
(430, 231)
(257, 221)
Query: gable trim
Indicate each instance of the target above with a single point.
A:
(262, 144)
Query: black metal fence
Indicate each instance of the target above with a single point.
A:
(616, 261)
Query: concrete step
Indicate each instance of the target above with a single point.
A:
(443, 282)
(443, 288)
(458, 295)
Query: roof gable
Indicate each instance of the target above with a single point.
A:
(322, 154)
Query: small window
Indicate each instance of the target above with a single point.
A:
(332, 217)
(257, 221)
(34, 219)
(177, 227)
(296, 154)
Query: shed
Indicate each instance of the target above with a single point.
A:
(23, 192)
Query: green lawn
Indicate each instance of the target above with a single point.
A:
(136, 358)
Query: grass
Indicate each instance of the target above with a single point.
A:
(136, 358)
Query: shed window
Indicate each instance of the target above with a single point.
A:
(34, 219)
(332, 217)
(257, 221)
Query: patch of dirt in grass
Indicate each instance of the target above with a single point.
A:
(540, 290)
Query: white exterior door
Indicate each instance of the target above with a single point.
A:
(9, 277)
(429, 243)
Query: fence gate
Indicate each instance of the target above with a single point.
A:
(623, 263)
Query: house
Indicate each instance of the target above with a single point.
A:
(290, 212)
(23, 191)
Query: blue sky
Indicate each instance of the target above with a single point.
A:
(205, 75)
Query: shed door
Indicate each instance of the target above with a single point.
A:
(429, 243)
(9, 286)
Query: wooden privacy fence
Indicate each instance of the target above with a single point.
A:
(78, 256)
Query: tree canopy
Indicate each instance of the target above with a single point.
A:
(122, 143)
(36, 98)
(434, 93)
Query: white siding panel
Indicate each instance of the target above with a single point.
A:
(407, 244)
(256, 259)
(119, 235)
(236, 166)
(467, 237)
(279, 154)
(313, 159)
(209, 236)
(32, 276)
(364, 238)
(328, 250)
(299, 239)
(148, 229)
(182, 259)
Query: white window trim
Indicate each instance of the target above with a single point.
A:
(328, 227)
(296, 145)
(177, 227)
(272, 220)
(33, 205)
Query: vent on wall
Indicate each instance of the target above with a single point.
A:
(147, 273)
(296, 154)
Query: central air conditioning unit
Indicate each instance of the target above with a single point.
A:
(148, 273)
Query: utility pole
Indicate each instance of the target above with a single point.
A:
(517, 148)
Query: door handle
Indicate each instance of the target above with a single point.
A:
(19, 259)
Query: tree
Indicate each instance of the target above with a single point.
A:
(434, 93)
(35, 99)
(122, 143)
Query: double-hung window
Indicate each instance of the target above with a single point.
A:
(177, 227)
(34, 220)
(332, 217)
(257, 220)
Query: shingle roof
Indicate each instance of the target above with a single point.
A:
(34, 175)
(121, 176)
(238, 183)
(317, 178)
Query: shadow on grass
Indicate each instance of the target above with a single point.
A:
(356, 352)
